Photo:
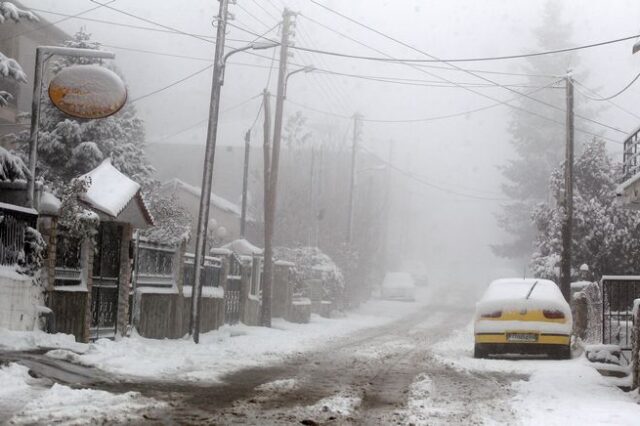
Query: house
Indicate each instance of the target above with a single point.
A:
(18, 40)
(224, 223)
(88, 282)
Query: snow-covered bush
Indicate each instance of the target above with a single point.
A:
(312, 263)
(172, 222)
(605, 235)
(34, 249)
(12, 168)
(77, 221)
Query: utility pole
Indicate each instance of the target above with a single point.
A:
(387, 208)
(312, 208)
(352, 181)
(205, 196)
(271, 195)
(245, 183)
(567, 224)
(266, 146)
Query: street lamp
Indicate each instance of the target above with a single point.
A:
(207, 173)
(306, 69)
(43, 54)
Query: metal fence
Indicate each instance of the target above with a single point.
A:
(14, 221)
(154, 263)
(211, 272)
(631, 165)
(618, 294)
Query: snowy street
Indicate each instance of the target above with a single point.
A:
(414, 366)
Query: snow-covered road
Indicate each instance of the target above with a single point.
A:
(387, 363)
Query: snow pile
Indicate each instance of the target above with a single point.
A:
(26, 340)
(25, 400)
(110, 191)
(243, 248)
(232, 348)
(344, 403)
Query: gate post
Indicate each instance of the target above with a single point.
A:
(123, 281)
(86, 271)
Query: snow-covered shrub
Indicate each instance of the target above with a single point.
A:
(311, 263)
(34, 249)
(172, 222)
(78, 221)
(12, 168)
(604, 234)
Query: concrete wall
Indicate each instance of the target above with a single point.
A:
(19, 299)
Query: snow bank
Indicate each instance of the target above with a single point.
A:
(232, 348)
(26, 340)
(25, 400)
(559, 393)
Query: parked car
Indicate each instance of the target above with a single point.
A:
(524, 316)
(418, 271)
(398, 286)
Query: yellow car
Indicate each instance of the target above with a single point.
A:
(523, 316)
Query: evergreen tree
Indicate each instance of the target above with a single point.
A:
(538, 143)
(605, 236)
(69, 147)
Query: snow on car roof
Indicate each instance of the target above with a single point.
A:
(518, 288)
(398, 279)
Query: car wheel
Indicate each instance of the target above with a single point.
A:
(479, 351)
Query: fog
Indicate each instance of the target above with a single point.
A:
(448, 223)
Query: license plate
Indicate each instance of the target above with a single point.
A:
(522, 337)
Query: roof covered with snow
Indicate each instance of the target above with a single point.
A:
(242, 247)
(216, 200)
(111, 192)
(49, 204)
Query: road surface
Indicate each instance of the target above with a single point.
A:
(382, 375)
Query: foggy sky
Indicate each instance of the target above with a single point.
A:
(463, 151)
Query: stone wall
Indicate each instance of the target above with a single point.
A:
(19, 300)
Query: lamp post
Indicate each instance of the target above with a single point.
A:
(271, 187)
(43, 54)
(207, 173)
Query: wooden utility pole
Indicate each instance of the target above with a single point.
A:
(271, 195)
(245, 183)
(266, 99)
(567, 224)
(207, 175)
(352, 180)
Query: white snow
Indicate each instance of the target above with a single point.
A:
(216, 200)
(49, 204)
(242, 247)
(110, 191)
(231, 348)
(563, 393)
(25, 400)
(25, 340)
(209, 292)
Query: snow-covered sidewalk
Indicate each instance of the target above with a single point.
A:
(224, 351)
(562, 393)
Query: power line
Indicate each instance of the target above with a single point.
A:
(481, 59)
(51, 24)
(206, 120)
(608, 98)
(428, 183)
(473, 74)
(347, 37)
(175, 83)
(137, 27)
(426, 119)
(578, 85)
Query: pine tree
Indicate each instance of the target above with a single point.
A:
(605, 236)
(69, 147)
(538, 143)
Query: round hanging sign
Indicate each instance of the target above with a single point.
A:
(88, 91)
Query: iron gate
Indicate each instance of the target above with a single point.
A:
(618, 293)
(106, 280)
(232, 292)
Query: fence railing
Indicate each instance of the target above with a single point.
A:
(14, 221)
(154, 263)
(212, 269)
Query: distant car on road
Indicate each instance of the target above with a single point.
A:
(524, 316)
(398, 286)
